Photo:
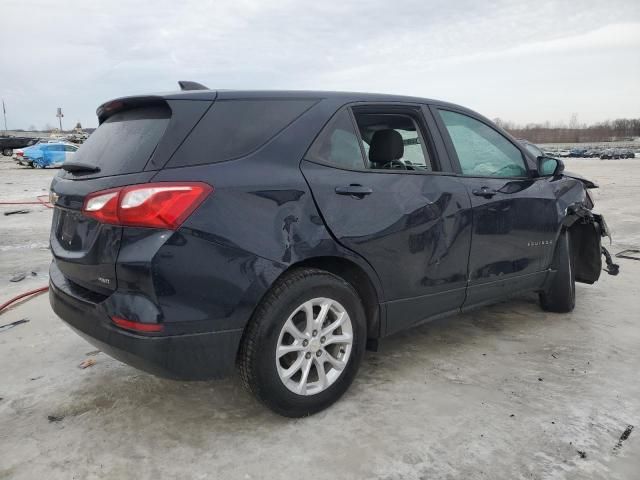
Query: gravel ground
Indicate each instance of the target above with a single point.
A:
(506, 392)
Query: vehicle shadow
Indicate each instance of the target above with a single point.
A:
(175, 407)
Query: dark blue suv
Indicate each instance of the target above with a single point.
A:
(285, 232)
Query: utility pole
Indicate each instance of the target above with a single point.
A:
(60, 115)
(4, 112)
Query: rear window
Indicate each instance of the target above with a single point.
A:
(125, 141)
(234, 128)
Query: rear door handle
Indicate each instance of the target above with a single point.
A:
(485, 192)
(354, 190)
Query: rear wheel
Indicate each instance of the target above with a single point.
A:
(7, 152)
(304, 344)
(560, 294)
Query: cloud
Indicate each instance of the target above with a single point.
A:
(483, 54)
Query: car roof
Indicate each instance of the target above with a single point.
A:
(345, 97)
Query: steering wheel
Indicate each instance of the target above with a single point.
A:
(395, 165)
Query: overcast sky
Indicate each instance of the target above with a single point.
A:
(525, 61)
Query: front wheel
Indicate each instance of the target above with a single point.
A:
(560, 293)
(37, 164)
(304, 343)
(7, 152)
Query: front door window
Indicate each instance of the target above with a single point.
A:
(481, 150)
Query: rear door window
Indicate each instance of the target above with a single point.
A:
(392, 140)
(338, 144)
(235, 128)
(125, 141)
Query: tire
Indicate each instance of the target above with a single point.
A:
(263, 372)
(7, 152)
(37, 164)
(560, 294)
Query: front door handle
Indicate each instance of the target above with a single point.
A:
(354, 190)
(485, 192)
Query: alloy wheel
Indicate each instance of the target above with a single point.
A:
(314, 346)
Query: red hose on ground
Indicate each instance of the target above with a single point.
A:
(22, 295)
(44, 203)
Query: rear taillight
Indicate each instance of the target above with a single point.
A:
(137, 326)
(156, 205)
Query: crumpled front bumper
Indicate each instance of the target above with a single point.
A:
(587, 230)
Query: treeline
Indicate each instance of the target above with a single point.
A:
(610, 131)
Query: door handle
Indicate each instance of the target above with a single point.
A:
(354, 190)
(485, 192)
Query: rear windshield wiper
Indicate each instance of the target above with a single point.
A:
(75, 167)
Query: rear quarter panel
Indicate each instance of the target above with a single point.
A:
(261, 214)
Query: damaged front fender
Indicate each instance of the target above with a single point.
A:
(586, 230)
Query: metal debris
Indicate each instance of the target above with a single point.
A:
(18, 277)
(630, 253)
(623, 437)
(16, 212)
(9, 326)
(612, 268)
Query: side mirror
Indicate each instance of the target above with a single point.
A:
(548, 166)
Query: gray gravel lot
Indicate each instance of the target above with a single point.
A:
(506, 392)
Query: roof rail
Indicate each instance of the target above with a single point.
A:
(189, 85)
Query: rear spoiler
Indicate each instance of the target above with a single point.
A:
(107, 109)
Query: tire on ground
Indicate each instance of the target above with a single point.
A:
(257, 355)
(560, 292)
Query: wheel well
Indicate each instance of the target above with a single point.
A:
(358, 278)
(584, 240)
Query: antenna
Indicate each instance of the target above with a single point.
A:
(189, 85)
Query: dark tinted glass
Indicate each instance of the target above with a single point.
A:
(234, 128)
(338, 144)
(125, 141)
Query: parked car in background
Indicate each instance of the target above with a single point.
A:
(606, 154)
(616, 153)
(44, 155)
(9, 143)
(592, 153)
(285, 232)
(577, 152)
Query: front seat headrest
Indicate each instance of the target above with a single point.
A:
(386, 145)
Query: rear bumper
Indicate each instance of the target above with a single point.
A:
(196, 356)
